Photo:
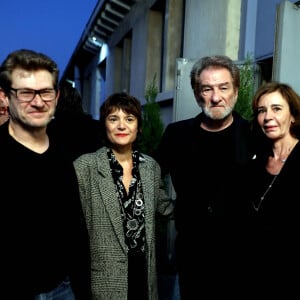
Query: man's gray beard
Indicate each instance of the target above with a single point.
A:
(224, 115)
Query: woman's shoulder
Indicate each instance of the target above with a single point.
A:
(91, 157)
(147, 158)
(147, 161)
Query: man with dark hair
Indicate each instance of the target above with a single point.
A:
(44, 236)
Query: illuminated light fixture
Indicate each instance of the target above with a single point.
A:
(71, 82)
(93, 40)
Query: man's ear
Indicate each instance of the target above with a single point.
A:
(57, 96)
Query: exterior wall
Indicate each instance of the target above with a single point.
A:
(139, 56)
(172, 42)
(248, 28)
(89, 88)
(126, 65)
(212, 27)
(265, 28)
(154, 47)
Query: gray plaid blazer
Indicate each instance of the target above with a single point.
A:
(109, 263)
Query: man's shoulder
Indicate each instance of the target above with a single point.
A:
(186, 123)
(3, 133)
(180, 131)
(4, 127)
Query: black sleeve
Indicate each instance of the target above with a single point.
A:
(79, 252)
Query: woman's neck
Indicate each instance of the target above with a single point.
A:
(281, 151)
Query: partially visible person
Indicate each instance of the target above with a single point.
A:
(44, 240)
(273, 191)
(206, 157)
(121, 193)
(74, 129)
(4, 114)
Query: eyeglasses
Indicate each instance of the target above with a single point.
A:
(27, 95)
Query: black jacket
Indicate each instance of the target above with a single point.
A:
(206, 170)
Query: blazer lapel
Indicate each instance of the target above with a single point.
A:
(110, 198)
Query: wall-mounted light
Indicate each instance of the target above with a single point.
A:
(71, 82)
(95, 42)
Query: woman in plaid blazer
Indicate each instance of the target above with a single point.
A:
(121, 192)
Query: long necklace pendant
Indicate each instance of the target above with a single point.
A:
(256, 208)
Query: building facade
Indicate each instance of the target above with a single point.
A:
(127, 43)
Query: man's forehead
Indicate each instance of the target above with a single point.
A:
(23, 76)
(21, 73)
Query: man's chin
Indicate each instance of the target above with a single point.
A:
(217, 113)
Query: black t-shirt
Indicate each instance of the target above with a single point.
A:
(44, 232)
(205, 167)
